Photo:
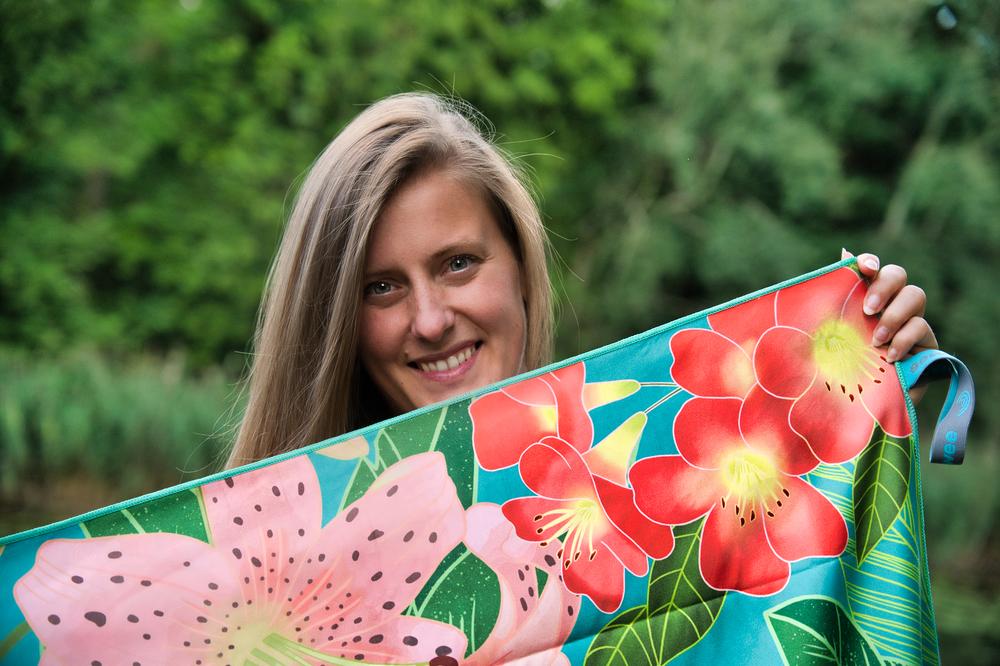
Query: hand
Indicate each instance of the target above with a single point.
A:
(901, 324)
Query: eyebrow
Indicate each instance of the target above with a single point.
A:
(467, 244)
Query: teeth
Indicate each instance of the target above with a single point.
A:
(449, 363)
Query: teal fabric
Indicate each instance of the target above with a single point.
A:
(738, 486)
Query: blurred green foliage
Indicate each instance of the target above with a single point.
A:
(684, 153)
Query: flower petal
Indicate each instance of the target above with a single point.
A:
(746, 322)
(806, 524)
(738, 557)
(385, 545)
(655, 539)
(574, 422)
(529, 624)
(503, 428)
(836, 428)
(601, 578)
(765, 428)
(705, 429)
(538, 518)
(669, 490)
(808, 304)
(708, 364)
(553, 468)
(783, 362)
(111, 598)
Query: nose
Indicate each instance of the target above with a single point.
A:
(432, 316)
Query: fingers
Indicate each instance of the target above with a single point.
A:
(908, 304)
(868, 264)
(887, 283)
(915, 335)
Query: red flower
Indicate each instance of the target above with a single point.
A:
(760, 515)
(799, 356)
(604, 531)
(508, 421)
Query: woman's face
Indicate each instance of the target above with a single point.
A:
(443, 307)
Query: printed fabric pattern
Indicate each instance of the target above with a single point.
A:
(740, 486)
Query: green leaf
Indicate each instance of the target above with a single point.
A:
(881, 482)
(680, 610)
(682, 607)
(178, 513)
(13, 638)
(816, 630)
(448, 430)
(463, 592)
(624, 641)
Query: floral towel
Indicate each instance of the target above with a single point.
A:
(740, 486)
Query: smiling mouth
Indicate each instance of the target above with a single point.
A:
(456, 361)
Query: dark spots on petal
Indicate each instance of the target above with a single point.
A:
(118, 579)
(524, 604)
(54, 619)
(391, 491)
(256, 562)
(237, 553)
(96, 617)
(132, 618)
(302, 488)
(770, 514)
(549, 560)
(187, 564)
(377, 638)
(229, 482)
(442, 661)
(569, 610)
(237, 520)
(270, 533)
(158, 613)
(785, 491)
(322, 556)
(213, 586)
(355, 555)
(389, 605)
(743, 521)
(352, 514)
(531, 591)
(114, 555)
(376, 576)
(433, 537)
(442, 651)
(302, 532)
(202, 619)
(77, 579)
(520, 575)
(413, 577)
(258, 508)
(375, 534)
(276, 491)
(410, 640)
(359, 657)
(357, 620)
(407, 536)
(145, 583)
(146, 636)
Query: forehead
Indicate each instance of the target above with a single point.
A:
(426, 215)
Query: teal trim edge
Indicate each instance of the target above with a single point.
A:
(601, 351)
(911, 410)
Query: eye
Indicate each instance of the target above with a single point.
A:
(460, 262)
(378, 288)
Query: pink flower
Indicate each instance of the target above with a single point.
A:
(274, 584)
(531, 625)
(760, 515)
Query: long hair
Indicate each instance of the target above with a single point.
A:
(305, 381)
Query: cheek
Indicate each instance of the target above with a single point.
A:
(377, 338)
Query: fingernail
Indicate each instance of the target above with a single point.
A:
(880, 336)
(871, 264)
(891, 356)
(871, 305)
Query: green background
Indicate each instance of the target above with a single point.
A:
(683, 153)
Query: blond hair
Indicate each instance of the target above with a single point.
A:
(305, 382)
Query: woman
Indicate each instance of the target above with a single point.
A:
(412, 270)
